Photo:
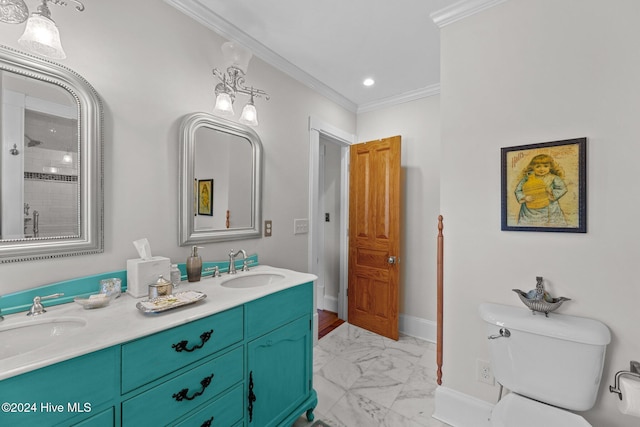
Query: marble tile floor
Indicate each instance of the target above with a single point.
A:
(366, 380)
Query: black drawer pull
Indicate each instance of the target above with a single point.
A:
(182, 345)
(207, 423)
(252, 396)
(182, 394)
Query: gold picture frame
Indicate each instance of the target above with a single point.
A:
(205, 197)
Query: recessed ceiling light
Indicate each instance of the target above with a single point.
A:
(368, 81)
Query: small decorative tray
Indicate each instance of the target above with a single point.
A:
(541, 306)
(169, 302)
(539, 300)
(94, 301)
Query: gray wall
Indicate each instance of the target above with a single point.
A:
(152, 65)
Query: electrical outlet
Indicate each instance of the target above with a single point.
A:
(267, 228)
(484, 373)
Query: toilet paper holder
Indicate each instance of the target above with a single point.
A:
(634, 371)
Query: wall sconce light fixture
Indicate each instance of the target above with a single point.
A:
(41, 34)
(232, 83)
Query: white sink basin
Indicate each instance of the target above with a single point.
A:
(33, 334)
(248, 280)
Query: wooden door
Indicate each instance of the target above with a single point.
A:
(374, 236)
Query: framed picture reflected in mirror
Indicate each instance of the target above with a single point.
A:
(205, 197)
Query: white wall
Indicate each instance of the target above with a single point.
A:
(529, 71)
(418, 123)
(331, 199)
(152, 66)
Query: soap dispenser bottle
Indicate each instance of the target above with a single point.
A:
(194, 265)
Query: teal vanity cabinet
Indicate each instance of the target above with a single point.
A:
(280, 358)
(248, 366)
(66, 393)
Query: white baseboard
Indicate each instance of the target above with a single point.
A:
(418, 327)
(331, 303)
(461, 410)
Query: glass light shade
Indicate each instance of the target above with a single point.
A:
(42, 37)
(224, 106)
(249, 115)
(236, 56)
(67, 158)
(13, 11)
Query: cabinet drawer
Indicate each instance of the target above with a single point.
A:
(224, 411)
(103, 419)
(272, 311)
(174, 398)
(59, 392)
(152, 357)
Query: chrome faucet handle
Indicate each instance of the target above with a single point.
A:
(37, 308)
(215, 269)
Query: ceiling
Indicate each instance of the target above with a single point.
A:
(333, 45)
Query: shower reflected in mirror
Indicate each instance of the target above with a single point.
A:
(51, 198)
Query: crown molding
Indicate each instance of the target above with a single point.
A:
(194, 9)
(399, 99)
(461, 10)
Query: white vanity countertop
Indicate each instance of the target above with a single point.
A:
(121, 321)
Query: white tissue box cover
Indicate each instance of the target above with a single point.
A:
(143, 272)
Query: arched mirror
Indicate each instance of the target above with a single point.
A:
(51, 202)
(220, 180)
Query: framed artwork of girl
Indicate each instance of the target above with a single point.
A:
(544, 187)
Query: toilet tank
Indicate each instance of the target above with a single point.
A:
(557, 359)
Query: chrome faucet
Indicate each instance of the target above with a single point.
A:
(37, 308)
(232, 264)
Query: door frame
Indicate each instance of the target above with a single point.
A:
(344, 139)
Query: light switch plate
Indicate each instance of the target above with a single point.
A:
(300, 226)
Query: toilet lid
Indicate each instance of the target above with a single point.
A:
(515, 410)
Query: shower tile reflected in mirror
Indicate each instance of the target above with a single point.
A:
(51, 175)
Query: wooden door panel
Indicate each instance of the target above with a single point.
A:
(372, 301)
(372, 258)
(374, 236)
(361, 199)
(382, 194)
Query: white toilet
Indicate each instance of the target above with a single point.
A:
(549, 364)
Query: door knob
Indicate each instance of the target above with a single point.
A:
(391, 260)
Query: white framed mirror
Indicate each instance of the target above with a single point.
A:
(220, 180)
(51, 197)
